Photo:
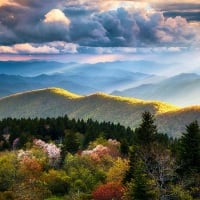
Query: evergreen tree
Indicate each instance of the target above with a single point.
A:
(130, 173)
(147, 131)
(70, 142)
(189, 152)
(124, 148)
(141, 186)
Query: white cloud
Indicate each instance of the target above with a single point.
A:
(64, 47)
(30, 49)
(56, 16)
(47, 48)
(7, 49)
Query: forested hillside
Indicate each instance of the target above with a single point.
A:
(56, 102)
(68, 159)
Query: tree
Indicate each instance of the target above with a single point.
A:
(129, 175)
(28, 180)
(57, 181)
(141, 187)
(189, 152)
(108, 191)
(70, 142)
(83, 174)
(7, 170)
(147, 131)
(117, 171)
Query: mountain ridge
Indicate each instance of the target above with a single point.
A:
(182, 89)
(54, 102)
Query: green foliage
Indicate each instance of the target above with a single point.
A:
(147, 130)
(144, 164)
(129, 175)
(181, 194)
(70, 133)
(57, 181)
(141, 186)
(7, 170)
(71, 143)
(83, 174)
(189, 153)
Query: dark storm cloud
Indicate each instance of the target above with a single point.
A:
(123, 28)
(26, 22)
(22, 21)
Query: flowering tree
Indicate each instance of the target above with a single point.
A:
(53, 152)
(110, 147)
(28, 179)
(98, 152)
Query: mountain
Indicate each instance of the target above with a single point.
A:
(78, 81)
(53, 102)
(76, 77)
(182, 90)
(37, 67)
(30, 68)
(11, 84)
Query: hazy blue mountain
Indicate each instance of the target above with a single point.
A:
(10, 84)
(78, 78)
(29, 68)
(182, 90)
(35, 67)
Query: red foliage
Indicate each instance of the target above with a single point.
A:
(108, 191)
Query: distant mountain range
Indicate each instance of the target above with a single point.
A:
(53, 102)
(36, 67)
(79, 78)
(125, 78)
(11, 84)
(30, 68)
(182, 90)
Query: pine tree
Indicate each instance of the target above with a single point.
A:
(141, 186)
(147, 131)
(129, 175)
(70, 142)
(189, 152)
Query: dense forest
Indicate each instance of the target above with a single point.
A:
(68, 159)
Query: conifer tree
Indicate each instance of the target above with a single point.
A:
(141, 186)
(129, 175)
(147, 131)
(189, 152)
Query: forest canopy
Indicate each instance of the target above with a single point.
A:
(62, 158)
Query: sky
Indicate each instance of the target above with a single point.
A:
(101, 31)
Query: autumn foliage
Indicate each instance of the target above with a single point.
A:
(108, 191)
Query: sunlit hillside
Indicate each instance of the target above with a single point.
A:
(53, 102)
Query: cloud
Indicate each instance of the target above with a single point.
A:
(56, 16)
(189, 15)
(112, 23)
(47, 48)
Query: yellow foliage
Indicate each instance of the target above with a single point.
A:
(117, 171)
